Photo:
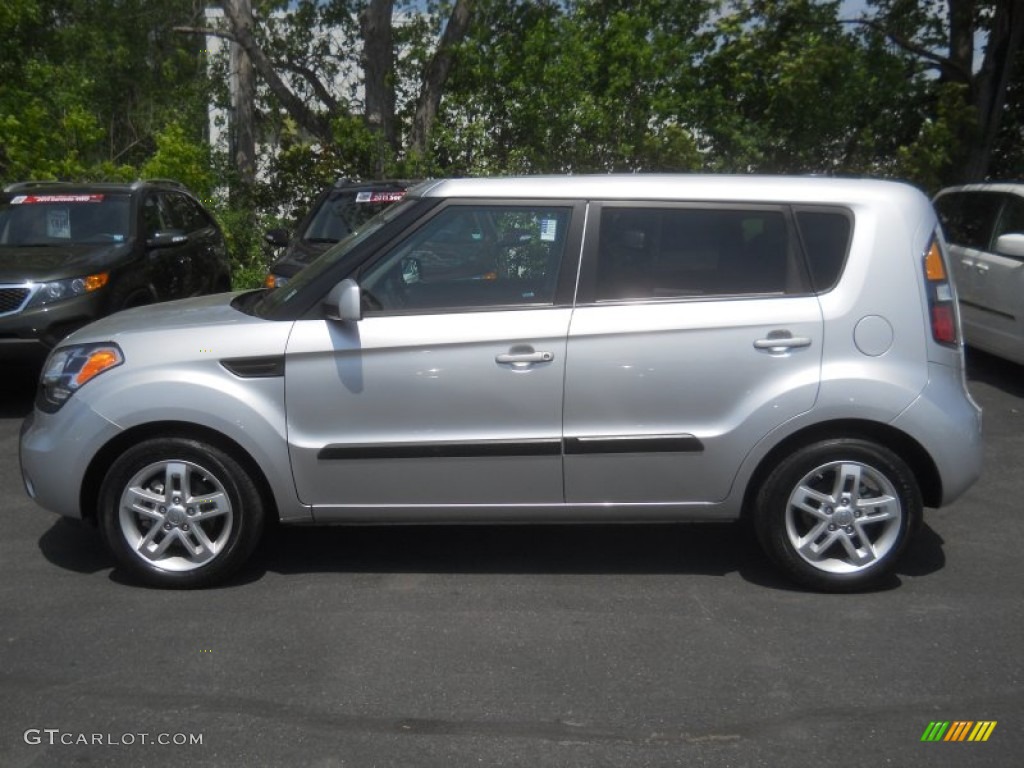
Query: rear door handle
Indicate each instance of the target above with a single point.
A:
(782, 342)
(525, 357)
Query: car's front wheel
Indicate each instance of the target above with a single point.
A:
(837, 514)
(178, 512)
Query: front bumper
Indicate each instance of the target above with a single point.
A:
(55, 452)
(35, 331)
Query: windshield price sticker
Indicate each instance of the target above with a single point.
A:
(58, 223)
(379, 197)
(30, 199)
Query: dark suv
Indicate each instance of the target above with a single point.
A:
(71, 253)
(335, 214)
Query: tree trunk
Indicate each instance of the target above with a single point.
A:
(991, 84)
(436, 75)
(378, 60)
(961, 34)
(315, 123)
(243, 98)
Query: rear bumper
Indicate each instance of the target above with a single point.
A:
(947, 420)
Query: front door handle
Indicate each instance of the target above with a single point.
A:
(779, 341)
(525, 357)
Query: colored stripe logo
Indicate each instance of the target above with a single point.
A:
(958, 730)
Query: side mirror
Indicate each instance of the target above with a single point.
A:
(277, 237)
(167, 238)
(1010, 245)
(344, 302)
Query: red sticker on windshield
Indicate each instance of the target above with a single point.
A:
(29, 199)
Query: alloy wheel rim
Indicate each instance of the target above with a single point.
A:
(175, 515)
(843, 517)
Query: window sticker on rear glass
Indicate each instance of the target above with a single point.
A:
(548, 230)
(30, 199)
(58, 223)
(379, 197)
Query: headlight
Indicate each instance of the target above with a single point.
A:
(57, 290)
(69, 368)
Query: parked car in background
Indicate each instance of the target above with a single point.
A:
(72, 253)
(335, 214)
(984, 224)
(643, 349)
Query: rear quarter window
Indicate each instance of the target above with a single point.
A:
(826, 238)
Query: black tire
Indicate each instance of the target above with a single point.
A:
(836, 515)
(194, 516)
(126, 297)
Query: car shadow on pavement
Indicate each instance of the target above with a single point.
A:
(75, 546)
(924, 555)
(995, 371)
(711, 549)
(18, 388)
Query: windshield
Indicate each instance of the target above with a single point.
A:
(332, 256)
(344, 212)
(63, 219)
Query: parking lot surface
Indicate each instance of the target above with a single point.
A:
(517, 646)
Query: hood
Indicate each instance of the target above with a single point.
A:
(196, 313)
(41, 263)
(177, 336)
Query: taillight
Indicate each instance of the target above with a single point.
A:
(941, 310)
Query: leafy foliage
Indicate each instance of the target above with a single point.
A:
(108, 89)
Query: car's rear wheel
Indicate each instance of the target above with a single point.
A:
(180, 513)
(837, 514)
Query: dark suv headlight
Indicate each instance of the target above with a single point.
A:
(58, 290)
(69, 368)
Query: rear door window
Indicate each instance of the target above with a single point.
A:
(185, 214)
(656, 252)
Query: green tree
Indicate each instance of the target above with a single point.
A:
(85, 85)
(592, 85)
(788, 89)
(324, 63)
(964, 120)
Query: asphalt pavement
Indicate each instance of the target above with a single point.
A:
(613, 646)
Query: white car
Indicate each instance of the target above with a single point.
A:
(984, 225)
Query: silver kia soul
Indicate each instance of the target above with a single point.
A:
(632, 349)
